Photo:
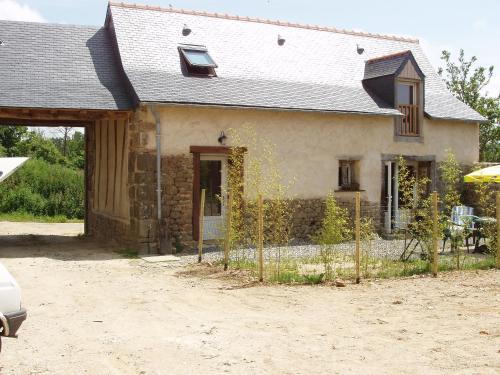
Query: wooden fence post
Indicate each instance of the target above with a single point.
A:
(498, 229)
(260, 245)
(227, 239)
(200, 234)
(358, 234)
(434, 234)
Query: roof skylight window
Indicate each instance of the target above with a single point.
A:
(197, 59)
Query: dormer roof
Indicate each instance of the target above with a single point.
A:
(391, 65)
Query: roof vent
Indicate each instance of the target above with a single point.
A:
(186, 30)
(281, 40)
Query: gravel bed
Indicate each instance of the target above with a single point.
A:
(380, 248)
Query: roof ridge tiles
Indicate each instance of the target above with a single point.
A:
(388, 57)
(259, 20)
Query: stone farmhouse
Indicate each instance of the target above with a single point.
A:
(158, 90)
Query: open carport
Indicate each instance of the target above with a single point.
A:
(68, 76)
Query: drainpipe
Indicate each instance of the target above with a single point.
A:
(158, 175)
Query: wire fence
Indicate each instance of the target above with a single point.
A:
(413, 243)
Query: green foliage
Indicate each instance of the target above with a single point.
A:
(484, 193)
(334, 230)
(10, 136)
(467, 82)
(34, 145)
(72, 147)
(416, 205)
(335, 227)
(407, 183)
(262, 176)
(450, 176)
(43, 189)
(68, 150)
(51, 183)
(26, 217)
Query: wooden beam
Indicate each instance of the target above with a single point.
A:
(38, 115)
(225, 150)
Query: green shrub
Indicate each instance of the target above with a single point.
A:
(335, 227)
(43, 189)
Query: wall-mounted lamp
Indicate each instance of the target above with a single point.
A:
(186, 30)
(281, 40)
(359, 49)
(222, 138)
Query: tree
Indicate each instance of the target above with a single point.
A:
(65, 133)
(468, 83)
(10, 136)
(33, 144)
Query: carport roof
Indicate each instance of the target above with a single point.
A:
(60, 66)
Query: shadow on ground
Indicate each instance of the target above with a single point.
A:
(56, 247)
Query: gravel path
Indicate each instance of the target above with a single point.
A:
(380, 248)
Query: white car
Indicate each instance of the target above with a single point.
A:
(12, 314)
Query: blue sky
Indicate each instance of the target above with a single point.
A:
(438, 24)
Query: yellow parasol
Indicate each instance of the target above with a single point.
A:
(489, 174)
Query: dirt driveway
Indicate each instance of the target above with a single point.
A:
(94, 312)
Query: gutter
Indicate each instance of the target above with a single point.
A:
(430, 117)
(390, 113)
(158, 176)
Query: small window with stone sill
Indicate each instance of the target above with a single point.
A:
(348, 175)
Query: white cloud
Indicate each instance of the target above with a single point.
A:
(14, 11)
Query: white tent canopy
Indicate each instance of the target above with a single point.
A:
(9, 165)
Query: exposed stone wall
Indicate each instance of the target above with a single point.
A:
(177, 207)
(177, 191)
(109, 229)
(308, 215)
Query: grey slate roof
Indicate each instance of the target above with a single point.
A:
(313, 70)
(386, 65)
(59, 66)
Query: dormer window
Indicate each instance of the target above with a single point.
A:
(398, 81)
(197, 60)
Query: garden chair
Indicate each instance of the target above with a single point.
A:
(462, 220)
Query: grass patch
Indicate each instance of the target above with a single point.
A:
(128, 253)
(318, 269)
(27, 217)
